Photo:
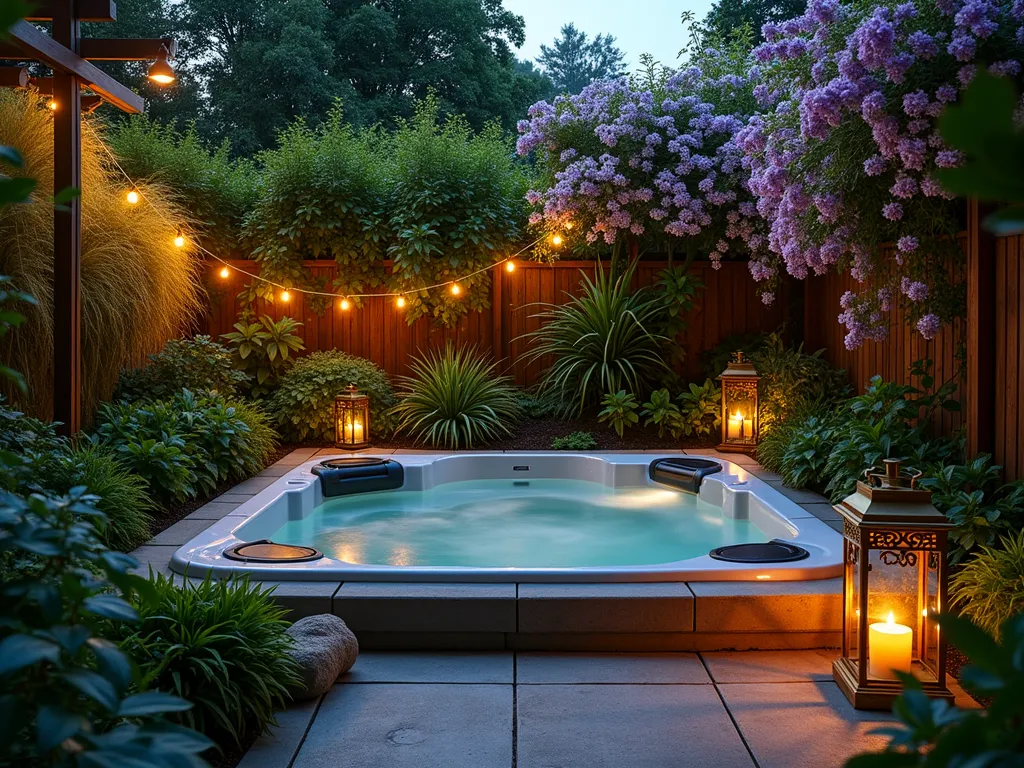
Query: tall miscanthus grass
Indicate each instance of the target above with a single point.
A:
(138, 288)
(454, 399)
(604, 340)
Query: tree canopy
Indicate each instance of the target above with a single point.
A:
(573, 61)
(728, 15)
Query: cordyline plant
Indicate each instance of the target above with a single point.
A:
(845, 157)
(652, 157)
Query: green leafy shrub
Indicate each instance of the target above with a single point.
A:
(575, 441)
(700, 409)
(221, 645)
(604, 340)
(935, 734)
(714, 360)
(264, 349)
(678, 291)
(619, 410)
(979, 506)
(37, 445)
(454, 400)
(536, 407)
(805, 456)
(122, 496)
(66, 688)
(662, 412)
(989, 589)
(187, 443)
(198, 364)
(304, 401)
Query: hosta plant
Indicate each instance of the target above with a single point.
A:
(619, 411)
(220, 644)
(604, 340)
(264, 349)
(989, 588)
(454, 399)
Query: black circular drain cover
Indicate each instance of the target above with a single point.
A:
(774, 551)
(352, 461)
(266, 551)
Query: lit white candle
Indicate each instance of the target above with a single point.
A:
(889, 648)
(748, 428)
(354, 432)
(734, 430)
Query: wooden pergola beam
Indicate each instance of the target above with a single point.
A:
(14, 77)
(85, 10)
(126, 49)
(64, 61)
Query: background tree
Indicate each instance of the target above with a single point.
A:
(728, 15)
(573, 61)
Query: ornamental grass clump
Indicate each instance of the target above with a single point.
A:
(989, 589)
(604, 340)
(138, 288)
(454, 399)
(221, 645)
(843, 159)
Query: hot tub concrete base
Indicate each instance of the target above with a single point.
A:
(671, 616)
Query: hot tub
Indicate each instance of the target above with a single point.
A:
(515, 518)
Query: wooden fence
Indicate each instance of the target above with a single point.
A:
(378, 331)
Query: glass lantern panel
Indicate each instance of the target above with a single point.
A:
(740, 410)
(894, 612)
(853, 571)
(928, 648)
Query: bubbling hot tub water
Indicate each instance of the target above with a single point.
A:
(539, 523)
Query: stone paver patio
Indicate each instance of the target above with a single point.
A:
(766, 709)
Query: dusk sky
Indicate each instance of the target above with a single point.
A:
(640, 26)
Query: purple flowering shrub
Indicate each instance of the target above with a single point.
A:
(650, 158)
(843, 158)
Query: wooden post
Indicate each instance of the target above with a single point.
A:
(980, 415)
(67, 230)
(497, 312)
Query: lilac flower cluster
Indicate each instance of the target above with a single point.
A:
(658, 161)
(846, 80)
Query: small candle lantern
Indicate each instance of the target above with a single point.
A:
(894, 584)
(351, 419)
(739, 406)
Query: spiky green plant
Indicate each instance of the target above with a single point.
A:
(454, 399)
(989, 589)
(600, 341)
(221, 645)
(121, 494)
(138, 289)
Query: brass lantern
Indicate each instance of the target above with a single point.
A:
(351, 419)
(739, 406)
(894, 584)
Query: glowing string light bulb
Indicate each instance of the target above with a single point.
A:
(52, 105)
(132, 197)
(179, 240)
(556, 240)
(345, 305)
(286, 296)
(510, 266)
(456, 289)
(568, 226)
(225, 273)
(400, 302)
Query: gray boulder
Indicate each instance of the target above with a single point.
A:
(325, 648)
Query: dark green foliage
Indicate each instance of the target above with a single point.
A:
(186, 444)
(304, 401)
(65, 688)
(575, 441)
(454, 399)
(700, 409)
(122, 496)
(10, 318)
(221, 645)
(198, 364)
(726, 16)
(264, 349)
(989, 588)
(573, 61)
(217, 191)
(679, 291)
(619, 410)
(935, 734)
(35, 443)
(974, 499)
(713, 361)
(662, 412)
(536, 407)
(603, 340)
(805, 455)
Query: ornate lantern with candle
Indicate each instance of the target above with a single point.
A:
(351, 419)
(894, 584)
(739, 406)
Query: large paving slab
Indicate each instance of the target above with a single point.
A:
(770, 666)
(802, 724)
(613, 726)
(629, 608)
(277, 748)
(215, 510)
(434, 667)
(643, 668)
(157, 557)
(303, 598)
(411, 726)
(386, 607)
(182, 532)
(254, 484)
